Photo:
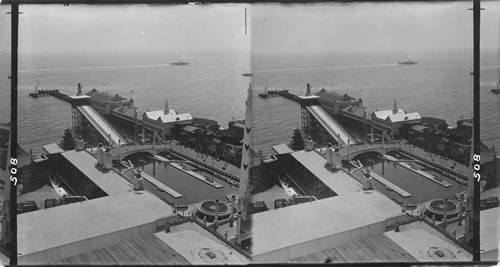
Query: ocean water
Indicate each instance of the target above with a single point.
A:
(211, 86)
(440, 85)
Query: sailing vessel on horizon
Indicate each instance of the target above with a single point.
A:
(179, 63)
(408, 62)
(497, 90)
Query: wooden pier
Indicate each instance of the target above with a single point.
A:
(390, 186)
(197, 176)
(422, 173)
(160, 186)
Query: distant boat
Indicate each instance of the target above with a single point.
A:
(247, 74)
(179, 63)
(59, 189)
(407, 62)
(496, 90)
(35, 94)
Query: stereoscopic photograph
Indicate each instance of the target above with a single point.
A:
(250, 133)
(362, 119)
(132, 117)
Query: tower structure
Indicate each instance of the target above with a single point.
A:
(166, 110)
(395, 107)
(247, 158)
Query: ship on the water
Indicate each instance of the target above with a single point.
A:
(496, 90)
(247, 74)
(179, 63)
(408, 62)
(35, 94)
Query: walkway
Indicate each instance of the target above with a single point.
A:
(102, 126)
(422, 173)
(390, 186)
(207, 162)
(449, 165)
(197, 176)
(160, 186)
(185, 153)
(331, 126)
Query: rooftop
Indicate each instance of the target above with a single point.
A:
(52, 149)
(126, 110)
(372, 249)
(307, 97)
(422, 242)
(149, 250)
(76, 97)
(280, 228)
(196, 252)
(191, 129)
(401, 115)
(282, 149)
(50, 228)
(338, 181)
(110, 182)
(419, 128)
(171, 116)
(489, 234)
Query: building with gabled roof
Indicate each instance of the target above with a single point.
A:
(392, 120)
(163, 121)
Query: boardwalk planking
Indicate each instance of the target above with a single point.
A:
(371, 249)
(150, 250)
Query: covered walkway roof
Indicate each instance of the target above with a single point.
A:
(293, 225)
(338, 181)
(110, 182)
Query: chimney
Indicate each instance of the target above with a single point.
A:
(367, 181)
(79, 92)
(329, 155)
(80, 145)
(139, 182)
(108, 159)
(100, 155)
(308, 92)
(337, 159)
(309, 144)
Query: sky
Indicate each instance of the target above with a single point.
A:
(355, 27)
(127, 28)
(273, 28)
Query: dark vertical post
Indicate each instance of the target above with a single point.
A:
(476, 23)
(13, 132)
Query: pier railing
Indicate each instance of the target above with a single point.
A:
(438, 165)
(204, 164)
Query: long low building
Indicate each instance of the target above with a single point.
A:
(50, 234)
(337, 181)
(283, 234)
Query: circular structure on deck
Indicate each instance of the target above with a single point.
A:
(437, 207)
(208, 208)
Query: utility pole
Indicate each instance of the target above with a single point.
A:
(10, 234)
(472, 219)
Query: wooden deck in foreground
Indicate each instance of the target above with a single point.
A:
(150, 250)
(372, 249)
